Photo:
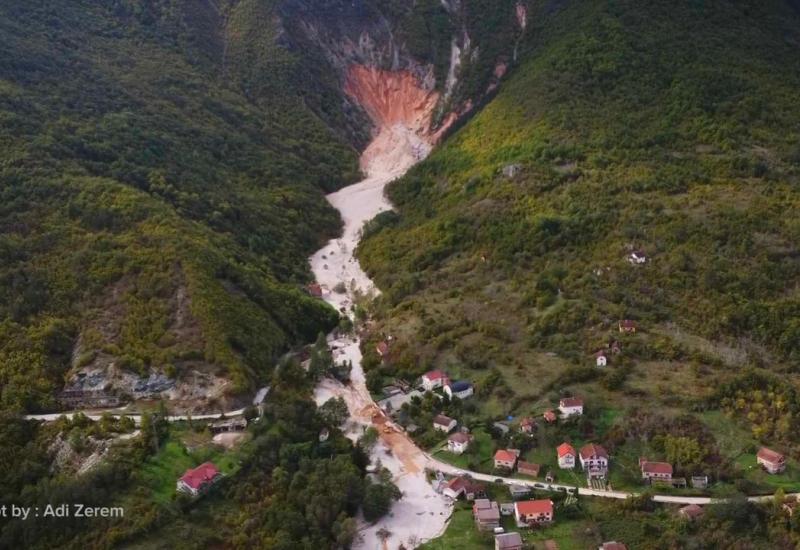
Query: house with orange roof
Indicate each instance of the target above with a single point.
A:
(566, 456)
(506, 458)
(594, 460)
(533, 512)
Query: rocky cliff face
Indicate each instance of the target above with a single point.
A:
(420, 64)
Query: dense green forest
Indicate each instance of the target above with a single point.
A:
(156, 150)
(286, 489)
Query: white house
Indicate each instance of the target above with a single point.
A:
(659, 471)
(570, 406)
(461, 389)
(637, 257)
(434, 379)
(458, 443)
(566, 456)
(601, 359)
(444, 423)
(594, 460)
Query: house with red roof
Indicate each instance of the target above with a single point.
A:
(533, 512)
(506, 458)
(434, 379)
(570, 406)
(601, 358)
(549, 416)
(566, 456)
(627, 326)
(198, 480)
(655, 471)
(466, 486)
(773, 462)
(594, 460)
(613, 545)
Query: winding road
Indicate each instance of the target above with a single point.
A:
(96, 414)
(443, 467)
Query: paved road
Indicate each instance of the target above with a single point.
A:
(137, 418)
(433, 463)
(439, 466)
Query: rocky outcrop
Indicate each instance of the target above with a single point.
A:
(375, 53)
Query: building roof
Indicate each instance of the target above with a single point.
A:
(382, 348)
(565, 449)
(571, 402)
(656, 467)
(592, 449)
(197, 477)
(485, 509)
(435, 375)
(517, 489)
(443, 420)
(461, 385)
(529, 466)
(527, 421)
(505, 455)
(460, 437)
(467, 484)
(627, 323)
(770, 456)
(692, 511)
(528, 507)
(315, 290)
(507, 540)
(613, 545)
(549, 415)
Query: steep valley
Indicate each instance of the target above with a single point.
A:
(537, 201)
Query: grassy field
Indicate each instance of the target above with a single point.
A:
(161, 471)
(461, 533)
(482, 455)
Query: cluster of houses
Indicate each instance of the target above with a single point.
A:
(487, 513)
(436, 379)
(593, 459)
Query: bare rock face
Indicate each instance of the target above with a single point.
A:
(365, 42)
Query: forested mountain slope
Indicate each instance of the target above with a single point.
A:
(666, 127)
(158, 204)
(164, 166)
